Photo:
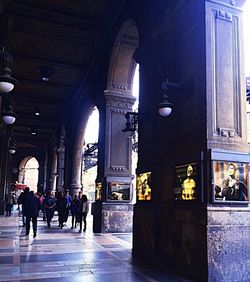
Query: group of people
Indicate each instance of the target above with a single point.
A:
(32, 203)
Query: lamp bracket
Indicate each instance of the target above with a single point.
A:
(166, 84)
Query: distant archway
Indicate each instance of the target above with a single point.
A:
(28, 172)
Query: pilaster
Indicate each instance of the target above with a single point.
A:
(111, 213)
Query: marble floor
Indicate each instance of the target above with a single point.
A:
(67, 255)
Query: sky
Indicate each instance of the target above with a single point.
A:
(92, 129)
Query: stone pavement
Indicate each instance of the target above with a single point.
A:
(67, 255)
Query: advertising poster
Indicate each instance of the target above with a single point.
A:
(186, 182)
(143, 186)
(230, 181)
(98, 191)
(118, 191)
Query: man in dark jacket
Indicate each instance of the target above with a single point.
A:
(49, 205)
(31, 212)
(21, 200)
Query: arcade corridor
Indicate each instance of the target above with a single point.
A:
(66, 255)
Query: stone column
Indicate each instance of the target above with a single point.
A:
(41, 177)
(60, 167)
(75, 180)
(3, 166)
(53, 170)
(113, 214)
(228, 225)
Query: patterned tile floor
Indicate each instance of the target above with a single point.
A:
(67, 255)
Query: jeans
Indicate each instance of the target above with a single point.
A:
(83, 219)
(34, 224)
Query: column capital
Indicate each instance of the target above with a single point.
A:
(119, 99)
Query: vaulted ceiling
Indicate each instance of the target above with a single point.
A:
(61, 35)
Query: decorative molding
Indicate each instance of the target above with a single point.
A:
(226, 93)
(118, 168)
(129, 40)
(236, 4)
(120, 100)
(222, 15)
(119, 86)
(118, 111)
(226, 132)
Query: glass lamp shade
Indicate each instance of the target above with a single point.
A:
(7, 83)
(9, 118)
(12, 150)
(6, 87)
(165, 111)
(165, 108)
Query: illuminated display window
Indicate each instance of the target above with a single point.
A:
(230, 181)
(98, 191)
(143, 186)
(186, 182)
(118, 191)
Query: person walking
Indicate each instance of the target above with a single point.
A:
(9, 202)
(49, 205)
(31, 212)
(22, 197)
(69, 201)
(61, 206)
(84, 212)
(75, 211)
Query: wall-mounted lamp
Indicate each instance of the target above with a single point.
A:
(37, 112)
(12, 146)
(131, 124)
(7, 82)
(9, 117)
(45, 72)
(33, 131)
(165, 107)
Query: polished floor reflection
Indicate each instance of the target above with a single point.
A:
(67, 255)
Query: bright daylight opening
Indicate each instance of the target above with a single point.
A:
(247, 57)
(89, 164)
(31, 174)
(135, 92)
(247, 36)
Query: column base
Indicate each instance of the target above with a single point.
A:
(228, 244)
(2, 206)
(112, 217)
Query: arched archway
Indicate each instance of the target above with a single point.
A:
(122, 65)
(28, 172)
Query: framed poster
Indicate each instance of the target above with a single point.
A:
(230, 181)
(98, 191)
(143, 186)
(186, 182)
